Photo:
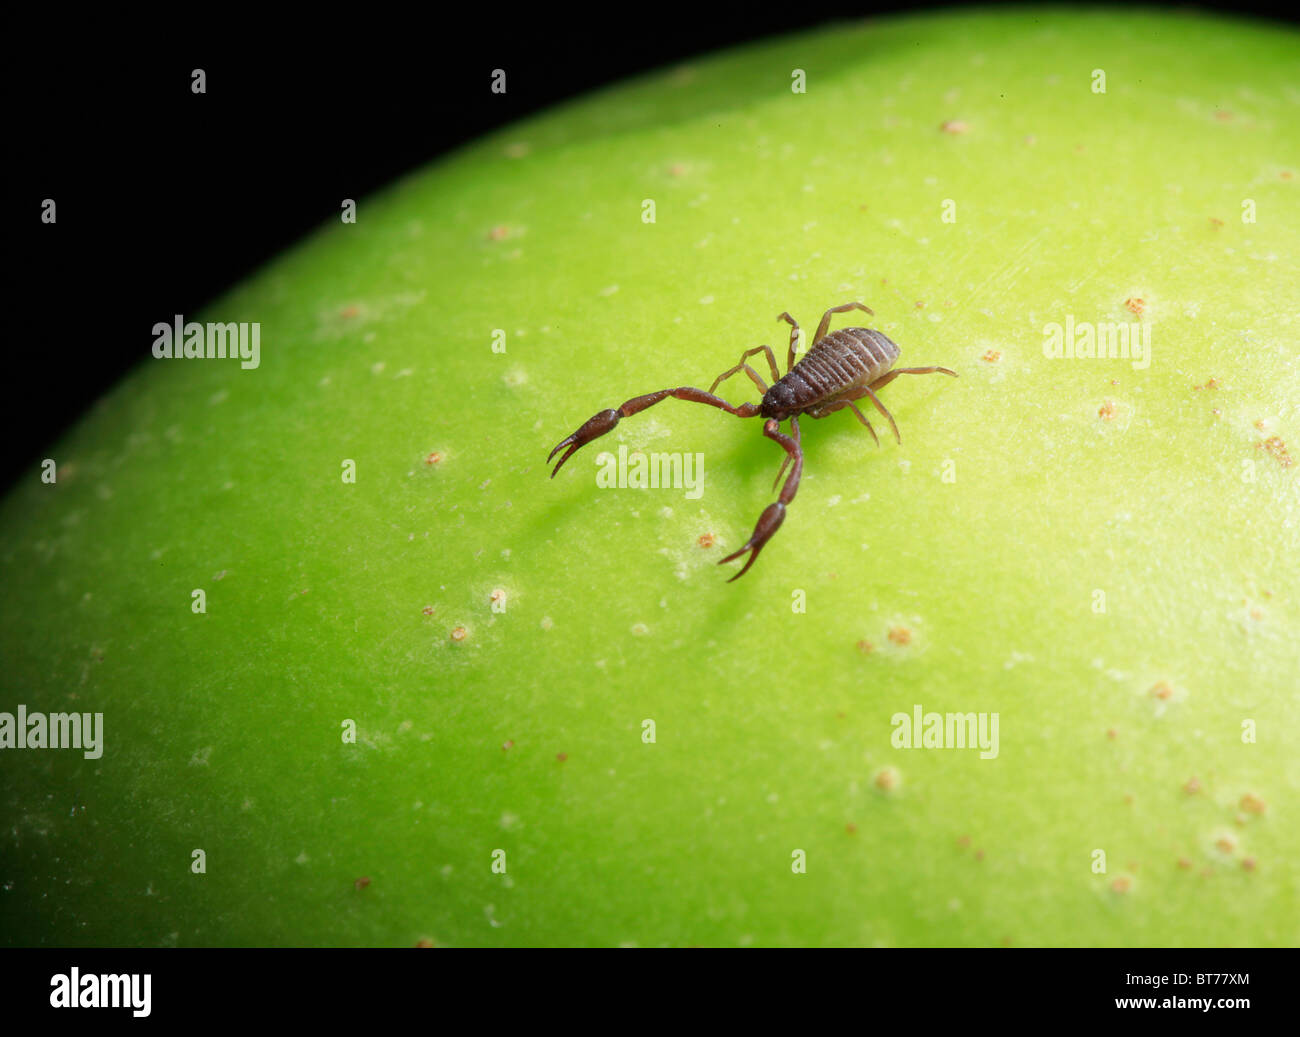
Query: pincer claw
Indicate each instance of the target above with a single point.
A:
(593, 428)
(768, 523)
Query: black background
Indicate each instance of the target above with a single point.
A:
(166, 199)
(911, 991)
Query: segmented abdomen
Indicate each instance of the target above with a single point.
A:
(843, 359)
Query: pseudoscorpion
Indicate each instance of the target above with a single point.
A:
(839, 368)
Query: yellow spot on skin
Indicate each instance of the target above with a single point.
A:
(498, 233)
(866, 647)
(561, 756)
(433, 458)
(707, 540)
(1223, 116)
(348, 312)
(1216, 221)
(676, 169)
(1112, 734)
(427, 610)
(547, 622)
(1184, 863)
(991, 356)
(1212, 383)
(1122, 884)
(887, 779)
(362, 882)
(640, 629)
(954, 126)
(426, 942)
(507, 745)
(963, 841)
(1248, 863)
(900, 635)
(1135, 304)
(1192, 786)
(1162, 690)
(850, 828)
(1107, 410)
(1225, 844)
(1253, 804)
(979, 855)
(497, 595)
(459, 634)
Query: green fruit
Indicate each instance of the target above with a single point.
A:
(1103, 554)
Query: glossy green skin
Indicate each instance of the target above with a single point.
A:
(772, 725)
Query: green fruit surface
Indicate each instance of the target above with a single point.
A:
(1104, 555)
